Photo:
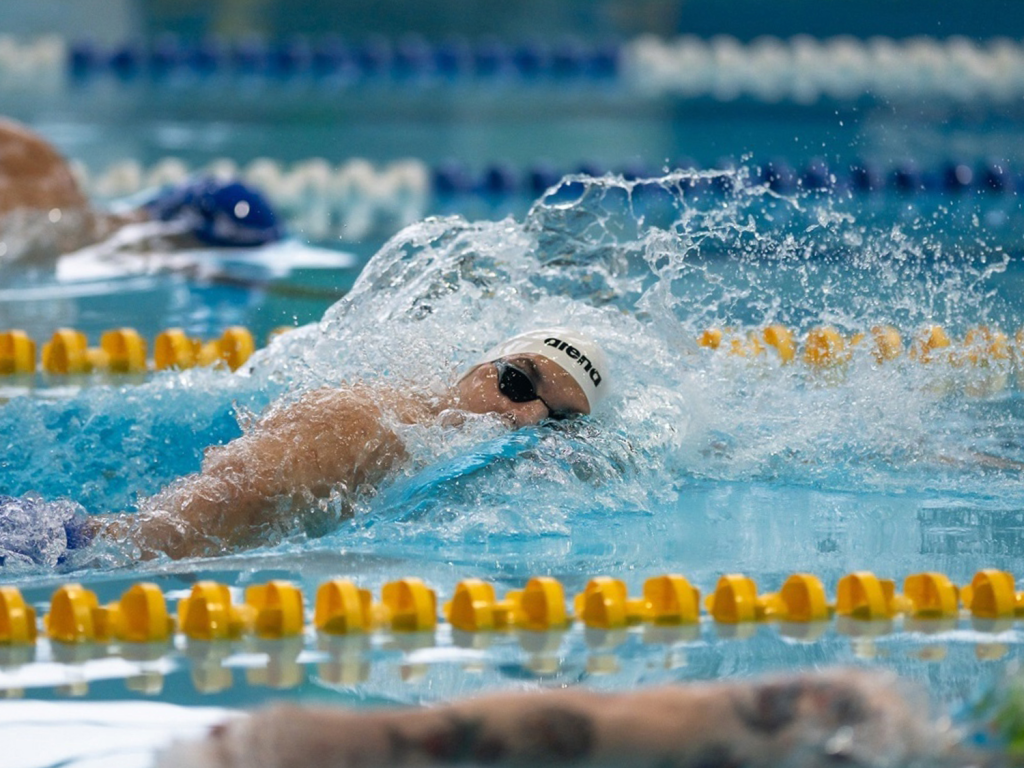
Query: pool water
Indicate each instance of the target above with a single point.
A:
(702, 463)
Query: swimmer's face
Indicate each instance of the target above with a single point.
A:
(523, 389)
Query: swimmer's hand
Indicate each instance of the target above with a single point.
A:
(34, 532)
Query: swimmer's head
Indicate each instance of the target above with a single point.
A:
(547, 373)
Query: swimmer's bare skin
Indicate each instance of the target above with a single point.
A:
(43, 212)
(822, 719)
(32, 173)
(329, 439)
(262, 484)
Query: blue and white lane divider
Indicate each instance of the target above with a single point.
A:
(990, 177)
(805, 69)
(413, 182)
(408, 57)
(801, 69)
(356, 198)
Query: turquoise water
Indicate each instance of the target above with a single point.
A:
(702, 463)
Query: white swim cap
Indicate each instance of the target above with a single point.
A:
(576, 354)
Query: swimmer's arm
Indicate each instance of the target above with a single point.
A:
(326, 440)
(757, 725)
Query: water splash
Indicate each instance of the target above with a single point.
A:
(645, 266)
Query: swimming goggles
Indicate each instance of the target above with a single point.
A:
(518, 387)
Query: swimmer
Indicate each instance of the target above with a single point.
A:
(340, 441)
(44, 213)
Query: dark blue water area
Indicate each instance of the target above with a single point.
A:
(479, 125)
(744, 18)
(559, 24)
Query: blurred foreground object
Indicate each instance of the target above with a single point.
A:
(867, 718)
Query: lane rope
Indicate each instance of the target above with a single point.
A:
(357, 197)
(800, 69)
(123, 350)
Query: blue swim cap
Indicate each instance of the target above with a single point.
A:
(224, 214)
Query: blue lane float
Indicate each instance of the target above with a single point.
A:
(802, 69)
(409, 57)
(908, 178)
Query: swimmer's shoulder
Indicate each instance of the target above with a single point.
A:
(409, 405)
(357, 401)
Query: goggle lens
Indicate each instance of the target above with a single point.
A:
(514, 384)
